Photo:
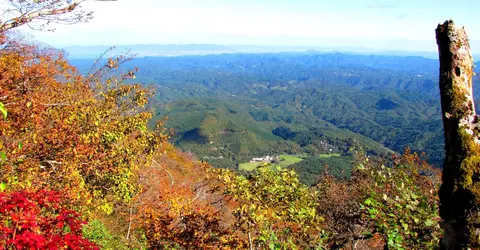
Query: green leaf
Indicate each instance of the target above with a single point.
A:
(271, 246)
(3, 111)
(3, 186)
(398, 238)
(20, 146)
(429, 222)
(3, 156)
(390, 242)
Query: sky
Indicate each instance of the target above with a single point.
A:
(382, 24)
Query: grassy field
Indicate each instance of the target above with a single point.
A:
(329, 155)
(285, 160)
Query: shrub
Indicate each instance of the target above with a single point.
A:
(40, 220)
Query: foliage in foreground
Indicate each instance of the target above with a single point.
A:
(177, 207)
(274, 209)
(393, 204)
(40, 220)
(403, 203)
(83, 135)
(86, 139)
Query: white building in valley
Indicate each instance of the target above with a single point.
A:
(268, 159)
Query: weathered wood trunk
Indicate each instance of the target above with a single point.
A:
(460, 191)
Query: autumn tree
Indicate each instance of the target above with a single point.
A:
(83, 136)
(66, 131)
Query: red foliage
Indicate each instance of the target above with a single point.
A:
(39, 220)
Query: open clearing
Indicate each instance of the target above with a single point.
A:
(285, 160)
(329, 155)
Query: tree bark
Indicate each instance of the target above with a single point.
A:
(460, 190)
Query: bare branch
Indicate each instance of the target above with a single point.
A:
(48, 11)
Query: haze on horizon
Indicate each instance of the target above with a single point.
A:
(386, 24)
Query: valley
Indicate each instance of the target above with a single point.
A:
(229, 108)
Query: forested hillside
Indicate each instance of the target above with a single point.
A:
(391, 100)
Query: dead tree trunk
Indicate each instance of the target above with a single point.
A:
(460, 191)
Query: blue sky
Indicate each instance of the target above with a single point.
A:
(382, 24)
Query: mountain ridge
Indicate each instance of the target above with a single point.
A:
(144, 50)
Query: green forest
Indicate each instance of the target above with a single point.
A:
(250, 105)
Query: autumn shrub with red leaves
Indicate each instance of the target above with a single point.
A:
(39, 220)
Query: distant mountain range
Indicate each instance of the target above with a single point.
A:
(142, 50)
